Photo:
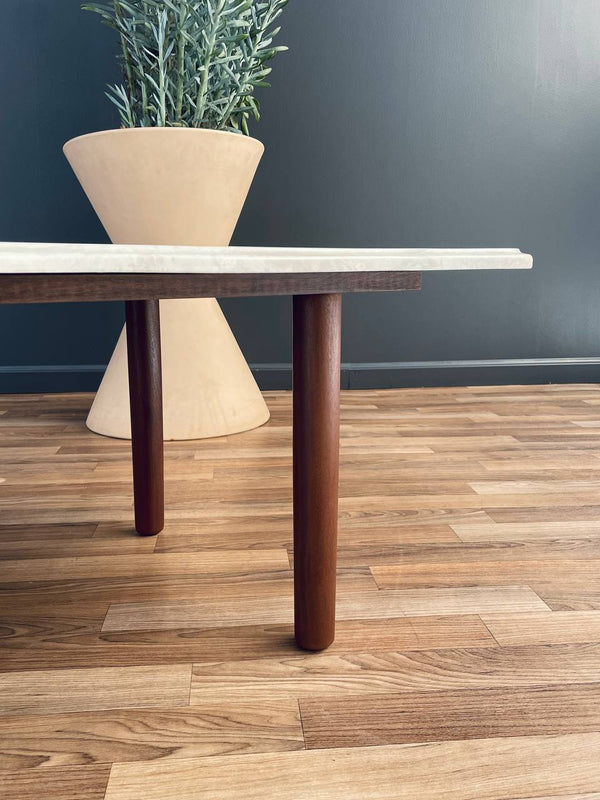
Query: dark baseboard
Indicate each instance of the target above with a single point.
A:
(379, 375)
(472, 373)
(410, 374)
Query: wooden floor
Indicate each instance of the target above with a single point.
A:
(467, 660)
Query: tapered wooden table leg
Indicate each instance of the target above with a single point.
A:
(145, 399)
(317, 336)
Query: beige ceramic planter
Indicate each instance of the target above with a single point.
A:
(175, 186)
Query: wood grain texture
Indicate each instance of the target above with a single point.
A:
(526, 531)
(413, 717)
(341, 676)
(251, 533)
(142, 323)
(594, 796)
(98, 737)
(47, 288)
(558, 627)
(173, 587)
(77, 689)
(316, 443)
(485, 769)
(60, 783)
(534, 572)
(72, 640)
(41, 534)
(462, 600)
(494, 603)
(357, 605)
(520, 557)
(15, 550)
(143, 565)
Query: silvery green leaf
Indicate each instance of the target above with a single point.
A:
(191, 62)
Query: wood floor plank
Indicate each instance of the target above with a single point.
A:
(466, 554)
(51, 643)
(219, 612)
(415, 467)
(552, 461)
(527, 531)
(485, 769)
(567, 573)
(331, 675)
(58, 690)
(142, 564)
(489, 502)
(564, 512)
(535, 628)
(182, 469)
(530, 487)
(462, 600)
(35, 480)
(574, 598)
(59, 532)
(98, 737)
(16, 453)
(54, 548)
(174, 588)
(594, 796)
(416, 717)
(27, 631)
(443, 632)
(257, 534)
(377, 519)
(59, 783)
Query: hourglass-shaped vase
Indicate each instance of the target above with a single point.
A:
(175, 186)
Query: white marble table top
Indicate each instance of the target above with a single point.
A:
(24, 257)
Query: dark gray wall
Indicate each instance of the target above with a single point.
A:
(390, 123)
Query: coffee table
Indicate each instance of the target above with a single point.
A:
(317, 278)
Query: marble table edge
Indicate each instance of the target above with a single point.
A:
(49, 258)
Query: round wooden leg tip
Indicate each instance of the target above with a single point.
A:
(142, 530)
(313, 646)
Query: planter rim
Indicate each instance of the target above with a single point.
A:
(177, 131)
